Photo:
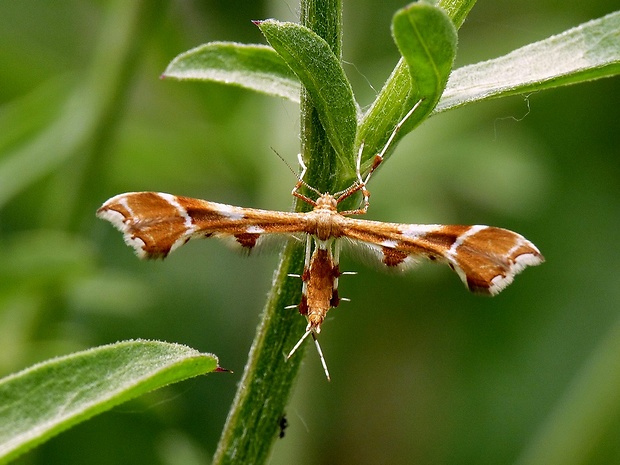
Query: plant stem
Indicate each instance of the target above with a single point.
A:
(457, 9)
(325, 18)
(253, 421)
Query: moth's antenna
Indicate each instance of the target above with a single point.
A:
(300, 178)
(286, 163)
(304, 168)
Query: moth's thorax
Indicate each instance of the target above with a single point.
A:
(324, 220)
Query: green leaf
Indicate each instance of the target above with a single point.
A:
(319, 70)
(50, 397)
(385, 111)
(254, 67)
(586, 52)
(426, 38)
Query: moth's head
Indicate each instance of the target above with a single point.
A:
(326, 202)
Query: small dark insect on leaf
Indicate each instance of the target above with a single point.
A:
(283, 424)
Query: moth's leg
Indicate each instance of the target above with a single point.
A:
(335, 300)
(377, 160)
(306, 272)
(300, 182)
(381, 155)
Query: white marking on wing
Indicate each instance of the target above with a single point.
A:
(187, 220)
(457, 269)
(190, 227)
(233, 213)
(254, 230)
(525, 259)
(123, 201)
(452, 251)
(409, 262)
(499, 283)
(373, 254)
(116, 218)
(413, 231)
(136, 243)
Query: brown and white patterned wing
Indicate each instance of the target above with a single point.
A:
(486, 258)
(155, 224)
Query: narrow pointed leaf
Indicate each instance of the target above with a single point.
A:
(586, 52)
(427, 40)
(426, 37)
(254, 67)
(319, 70)
(42, 401)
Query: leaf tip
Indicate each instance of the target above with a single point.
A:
(219, 369)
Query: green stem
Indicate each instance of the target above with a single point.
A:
(318, 153)
(457, 9)
(253, 421)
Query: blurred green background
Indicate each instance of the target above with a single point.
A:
(422, 371)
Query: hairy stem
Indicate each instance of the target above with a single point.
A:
(253, 421)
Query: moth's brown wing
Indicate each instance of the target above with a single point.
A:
(486, 258)
(155, 224)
